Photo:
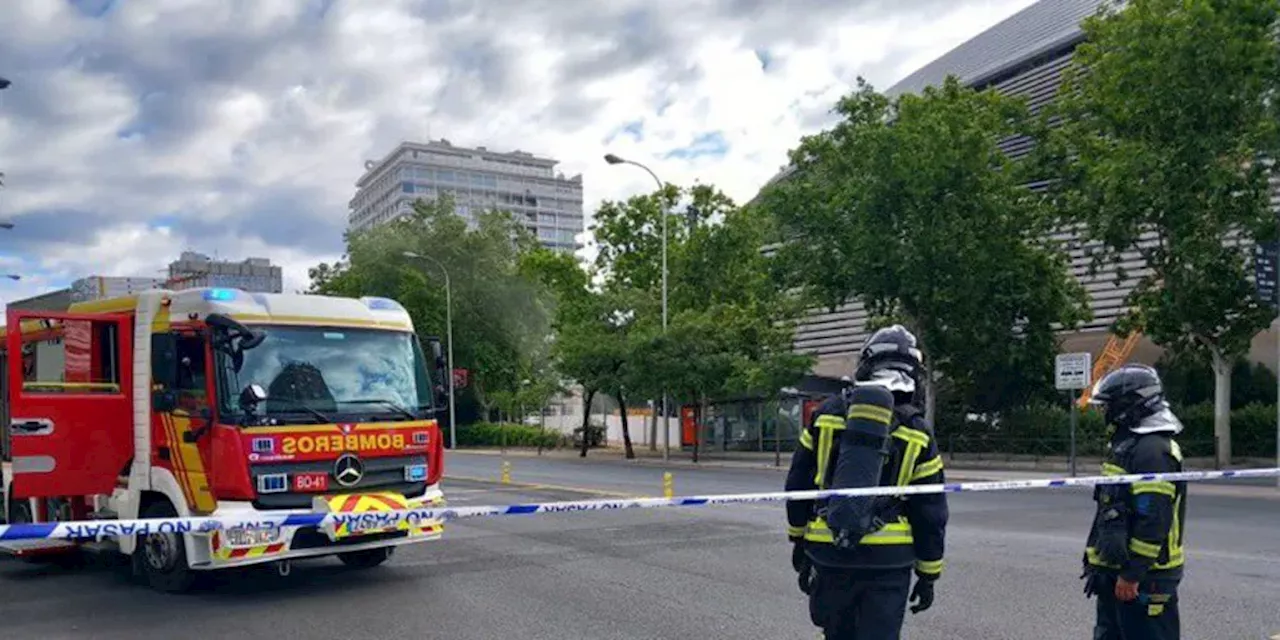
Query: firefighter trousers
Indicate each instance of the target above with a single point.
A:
(1154, 616)
(859, 604)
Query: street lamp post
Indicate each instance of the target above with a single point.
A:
(4, 84)
(666, 424)
(448, 321)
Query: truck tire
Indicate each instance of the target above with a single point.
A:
(367, 559)
(162, 557)
(19, 512)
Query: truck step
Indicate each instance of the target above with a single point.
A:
(101, 546)
(36, 547)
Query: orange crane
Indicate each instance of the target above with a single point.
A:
(1114, 353)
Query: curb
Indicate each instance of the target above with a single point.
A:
(961, 474)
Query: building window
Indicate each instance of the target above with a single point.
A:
(406, 187)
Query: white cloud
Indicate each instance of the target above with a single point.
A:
(241, 127)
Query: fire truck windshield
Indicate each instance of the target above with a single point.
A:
(321, 374)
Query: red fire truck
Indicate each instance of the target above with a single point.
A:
(220, 402)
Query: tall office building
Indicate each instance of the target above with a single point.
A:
(1023, 56)
(549, 204)
(192, 270)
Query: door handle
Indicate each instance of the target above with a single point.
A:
(31, 427)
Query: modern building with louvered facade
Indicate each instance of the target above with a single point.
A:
(1025, 55)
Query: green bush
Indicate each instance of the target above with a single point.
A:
(1188, 381)
(596, 434)
(486, 434)
(1038, 430)
(1045, 430)
(1253, 430)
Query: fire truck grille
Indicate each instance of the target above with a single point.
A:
(312, 538)
(380, 474)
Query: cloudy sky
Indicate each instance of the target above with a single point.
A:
(135, 129)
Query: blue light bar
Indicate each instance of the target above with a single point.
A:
(382, 304)
(415, 473)
(220, 295)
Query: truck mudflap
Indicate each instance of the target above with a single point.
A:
(363, 530)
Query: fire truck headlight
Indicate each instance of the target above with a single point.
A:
(252, 537)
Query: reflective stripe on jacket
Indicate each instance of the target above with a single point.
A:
(1156, 509)
(915, 537)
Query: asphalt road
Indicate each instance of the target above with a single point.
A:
(718, 572)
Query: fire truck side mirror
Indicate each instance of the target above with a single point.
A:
(251, 397)
(164, 360)
(437, 352)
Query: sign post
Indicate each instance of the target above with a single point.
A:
(1073, 372)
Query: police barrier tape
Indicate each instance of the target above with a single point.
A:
(380, 520)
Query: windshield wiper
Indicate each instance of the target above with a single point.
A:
(386, 403)
(296, 403)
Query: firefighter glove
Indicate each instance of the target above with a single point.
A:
(805, 580)
(922, 594)
(1091, 581)
(799, 559)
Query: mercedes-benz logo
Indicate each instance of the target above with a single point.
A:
(348, 470)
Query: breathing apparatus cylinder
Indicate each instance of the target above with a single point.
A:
(1113, 512)
(864, 447)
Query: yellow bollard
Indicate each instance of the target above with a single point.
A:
(668, 485)
(506, 472)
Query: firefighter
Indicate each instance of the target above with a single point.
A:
(855, 556)
(1134, 557)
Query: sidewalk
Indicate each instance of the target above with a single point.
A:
(958, 470)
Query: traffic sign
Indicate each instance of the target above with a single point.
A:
(1073, 371)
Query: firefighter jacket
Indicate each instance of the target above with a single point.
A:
(1152, 514)
(916, 524)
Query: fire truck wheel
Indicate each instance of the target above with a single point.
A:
(19, 512)
(163, 556)
(367, 559)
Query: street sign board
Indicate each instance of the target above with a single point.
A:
(1073, 371)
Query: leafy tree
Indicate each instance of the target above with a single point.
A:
(1158, 154)
(910, 207)
(731, 325)
(593, 339)
(501, 317)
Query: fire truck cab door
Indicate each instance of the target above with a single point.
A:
(70, 402)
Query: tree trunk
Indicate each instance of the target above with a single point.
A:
(1222, 406)
(931, 398)
(626, 431)
(586, 422)
(653, 425)
(699, 426)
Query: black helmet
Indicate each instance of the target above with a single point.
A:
(1128, 394)
(892, 349)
